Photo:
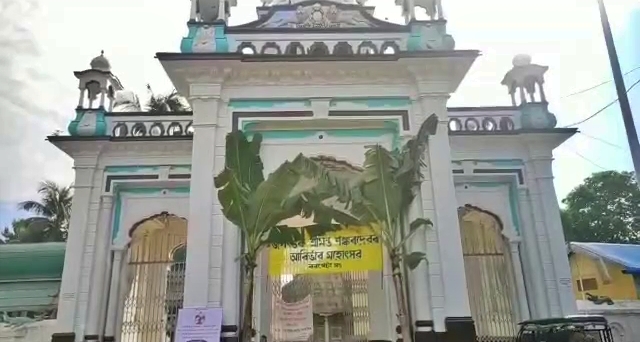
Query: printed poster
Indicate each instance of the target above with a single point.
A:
(347, 250)
(293, 321)
(199, 325)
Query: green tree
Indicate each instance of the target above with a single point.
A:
(52, 213)
(604, 208)
(257, 206)
(157, 103)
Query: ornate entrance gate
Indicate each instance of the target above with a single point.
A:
(489, 274)
(155, 278)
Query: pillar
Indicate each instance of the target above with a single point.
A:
(68, 301)
(458, 321)
(534, 274)
(420, 296)
(541, 163)
(521, 292)
(230, 282)
(205, 101)
(114, 290)
(97, 291)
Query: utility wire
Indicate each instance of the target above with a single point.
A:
(602, 109)
(597, 85)
(586, 159)
(601, 140)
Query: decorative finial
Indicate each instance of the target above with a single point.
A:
(101, 52)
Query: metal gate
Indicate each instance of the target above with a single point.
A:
(156, 268)
(489, 274)
(338, 302)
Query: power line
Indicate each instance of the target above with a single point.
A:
(586, 159)
(601, 140)
(602, 109)
(597, 85)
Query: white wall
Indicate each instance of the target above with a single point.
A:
(32, 332)
(623, 317)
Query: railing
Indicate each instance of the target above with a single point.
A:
(479, 120)
(123, 125)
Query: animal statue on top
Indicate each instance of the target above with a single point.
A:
(524, 76)
(599, 299)
(433, 8)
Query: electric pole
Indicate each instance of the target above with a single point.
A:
(623, 99)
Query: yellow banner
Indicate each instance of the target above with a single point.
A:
(346, 250)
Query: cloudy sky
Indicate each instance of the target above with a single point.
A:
(42, 42)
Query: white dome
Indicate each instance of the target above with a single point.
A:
(101, 63)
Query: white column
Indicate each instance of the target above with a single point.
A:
(194, 10)
(74, 255)
(201, 201)
(542, 240)
(230, 278)
(446, 222)
(535, 274)
(551, 213)
(114, 291)
(514, 247)
(419, 277)
(378, 308)
(97, 290)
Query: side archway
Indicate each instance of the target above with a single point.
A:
(154, 278)
(491, 283)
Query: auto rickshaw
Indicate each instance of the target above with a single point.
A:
(588, 328)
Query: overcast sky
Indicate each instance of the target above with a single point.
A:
(43, 41)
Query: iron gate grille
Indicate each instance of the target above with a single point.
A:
(157, 271)
(490, 279)
(339, 304)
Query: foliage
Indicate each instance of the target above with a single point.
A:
(604, 208)
(157, 103)
(51, 221)
(381, 196)
(257, 206)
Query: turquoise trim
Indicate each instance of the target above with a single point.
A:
(374, 102)
(514, 205)
(268, 103)
(495, 162)
(414, 43)
(390, 127)
(117, 213)
(142, 168)
(186, 45)
(100, 127)
(101, 124)
(222, 44)
(73, 125)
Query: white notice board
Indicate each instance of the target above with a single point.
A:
(199, 325)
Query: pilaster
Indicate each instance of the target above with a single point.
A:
(69, 288)
(535, 277)
(543, 176)
(205, 101)
(420, 295)
(521, 291)
(100, 267)
(114, 290)
(456, 299)
(230, 282)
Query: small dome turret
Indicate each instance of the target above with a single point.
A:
(101, 63)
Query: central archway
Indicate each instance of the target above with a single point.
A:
(154, 278)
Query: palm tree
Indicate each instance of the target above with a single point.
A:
(157, 103)
(171, 102)
(52, 211)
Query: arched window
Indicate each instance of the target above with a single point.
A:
(489, 272)
(318, 49)
(294, 48)
(342, 48)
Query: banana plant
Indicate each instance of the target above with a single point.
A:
(381, 195)
(257, 206)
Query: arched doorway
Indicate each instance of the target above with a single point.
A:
(489, 273)
(155, 278)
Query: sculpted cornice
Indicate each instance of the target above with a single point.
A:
(294, 75)
(148, 148)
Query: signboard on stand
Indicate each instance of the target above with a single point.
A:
(293, 321)
(199, 325)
